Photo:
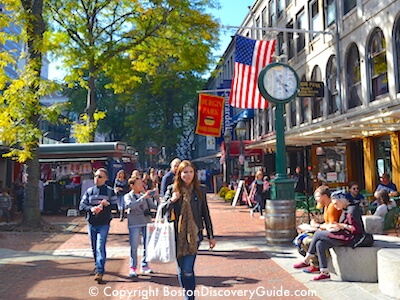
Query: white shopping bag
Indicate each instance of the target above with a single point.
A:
(161, 240)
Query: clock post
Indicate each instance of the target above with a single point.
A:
(279, 83)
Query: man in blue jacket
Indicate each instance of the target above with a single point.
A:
(96, 203)
(169, 176)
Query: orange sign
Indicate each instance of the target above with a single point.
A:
(209, 117)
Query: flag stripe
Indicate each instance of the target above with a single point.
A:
(250, 58)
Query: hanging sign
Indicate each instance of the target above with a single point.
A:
(209, 117)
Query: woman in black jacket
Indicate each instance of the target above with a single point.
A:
(187, 205)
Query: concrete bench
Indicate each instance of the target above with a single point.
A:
(389, 272)
(373, 224)
(361, 264)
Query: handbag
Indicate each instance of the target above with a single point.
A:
(161, 246)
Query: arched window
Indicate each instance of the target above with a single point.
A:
(334, 104)
(396, 45)
(377, 64)
(304, 106)
(318, 102)
(353, 75)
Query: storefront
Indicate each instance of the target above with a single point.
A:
(67, 169)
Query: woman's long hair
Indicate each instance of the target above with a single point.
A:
(178, 182)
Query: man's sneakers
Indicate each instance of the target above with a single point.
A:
(311, 269)
(98, 277)
(146, 270)
(322, 276)
(300, 265)
(132, 272)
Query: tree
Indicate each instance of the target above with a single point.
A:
(20, 109)
(125, 39)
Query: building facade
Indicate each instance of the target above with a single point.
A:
(351, 133)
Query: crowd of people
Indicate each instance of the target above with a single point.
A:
(178, 194)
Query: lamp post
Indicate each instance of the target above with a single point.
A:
(241, 132)
(227, 141)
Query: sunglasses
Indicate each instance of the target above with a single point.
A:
(98, 176)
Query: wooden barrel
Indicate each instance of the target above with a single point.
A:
(280, 221)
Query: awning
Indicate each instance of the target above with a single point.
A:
(360, 123)
(234, 149)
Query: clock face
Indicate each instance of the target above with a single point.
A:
(279, 82)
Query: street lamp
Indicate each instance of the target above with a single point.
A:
(241, 132)
(227, 141)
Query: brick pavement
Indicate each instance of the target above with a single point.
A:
(58, 266)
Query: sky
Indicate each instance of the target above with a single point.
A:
(232, 12)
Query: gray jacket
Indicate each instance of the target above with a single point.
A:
(138, 206)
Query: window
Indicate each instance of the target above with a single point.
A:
(258, 25)
(293, 112)
(272, 15)
(264, 20)
(348, 5)
(330, 11)
(396, 44)
(281, 5)
(280, 42)
(301, 24)
(334, 104)
(377, 64)
(353, 74)
(318, 102)
(289, 40)
(315, 21)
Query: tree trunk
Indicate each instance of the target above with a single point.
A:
(35, 28)
(31, 215)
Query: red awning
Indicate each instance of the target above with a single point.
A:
(234, 149)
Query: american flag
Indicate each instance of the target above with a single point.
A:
(251, 56)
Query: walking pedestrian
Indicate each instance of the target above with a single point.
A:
(121, 188)
(191, 215)
(139, 203)
(96, 203)
(168, 178)
(5, 205)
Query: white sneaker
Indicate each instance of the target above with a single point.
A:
(146, 270)
(251, 213)
(262, 217)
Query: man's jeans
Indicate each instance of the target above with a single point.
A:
(98, 238)
(134, 240)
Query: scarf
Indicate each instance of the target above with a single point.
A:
(187, 228)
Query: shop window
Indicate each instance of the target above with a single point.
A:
(331, 164)
(333, 95)
(353, 75)
(318, 102)
(396, 52)
(330, 11)
(377, 65)
(348, 5)
(301, 24)
(383, 150)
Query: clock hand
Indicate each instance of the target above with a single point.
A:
(283, 84)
